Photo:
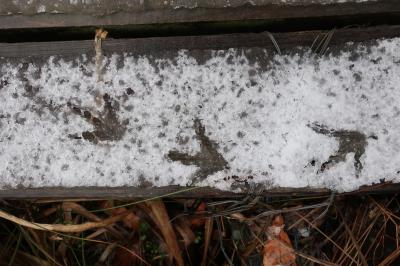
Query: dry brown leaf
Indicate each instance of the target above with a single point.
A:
(183, 228)
(131, 221)
(208, 228)
(101, 34)
(278, 249)
(162, 220)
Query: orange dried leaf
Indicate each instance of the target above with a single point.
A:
(101, 34)
(198, 220)
(131, 220)
(278, 249)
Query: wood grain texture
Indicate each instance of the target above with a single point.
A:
(285, 40)
(178, 192)
(140, 16)
(106, 7)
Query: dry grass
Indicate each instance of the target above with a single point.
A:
(345, 230)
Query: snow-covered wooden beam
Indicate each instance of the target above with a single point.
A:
(16, 14)
(210, 111)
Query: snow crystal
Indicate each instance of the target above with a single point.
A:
(295, 120)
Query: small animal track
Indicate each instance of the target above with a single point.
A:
(107, 124)
(208, 159)
(349, 142)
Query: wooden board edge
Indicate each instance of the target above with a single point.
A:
(135, 192)
(285, 40)
(129, 193)
(183, 15)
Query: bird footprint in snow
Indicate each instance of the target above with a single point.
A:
(107, 125)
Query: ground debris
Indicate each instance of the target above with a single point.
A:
(353, 229)
(278, 249)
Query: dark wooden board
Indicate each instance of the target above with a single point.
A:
(260, 10)
(131, 192)
(179, 192)
(285, 40)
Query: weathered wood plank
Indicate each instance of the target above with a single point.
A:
(104, 7)
(56, 101)
(178, 192)
(285, 40)
(132, 193)
(15, 15)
